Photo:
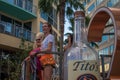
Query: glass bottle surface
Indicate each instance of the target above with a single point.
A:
(80, 61)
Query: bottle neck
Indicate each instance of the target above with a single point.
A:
(79, 30)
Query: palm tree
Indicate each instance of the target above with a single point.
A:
(64, 7)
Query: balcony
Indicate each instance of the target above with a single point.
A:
(16, 31)
(20, 9)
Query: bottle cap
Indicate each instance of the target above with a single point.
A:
(79, 13)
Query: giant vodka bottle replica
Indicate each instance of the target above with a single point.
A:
(80, 61)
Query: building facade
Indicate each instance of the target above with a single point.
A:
(21, 19)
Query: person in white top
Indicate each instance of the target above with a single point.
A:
(48, 39)
(48, 45)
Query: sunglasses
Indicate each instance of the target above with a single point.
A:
(38, 39)
(45, 26)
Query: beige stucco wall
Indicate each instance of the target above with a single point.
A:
(35, 22)
(11, 41)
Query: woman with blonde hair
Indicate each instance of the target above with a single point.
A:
(37, 48)
(34, 61)
(38, 40)
(37, 44)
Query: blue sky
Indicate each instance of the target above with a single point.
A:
(66, 30)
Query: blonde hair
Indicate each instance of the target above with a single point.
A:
(37, 35)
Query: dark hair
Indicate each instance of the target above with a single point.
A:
(71, 36)
(49, 25)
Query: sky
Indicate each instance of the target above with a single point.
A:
(66, 30)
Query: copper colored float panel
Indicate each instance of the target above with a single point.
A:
(95, 31)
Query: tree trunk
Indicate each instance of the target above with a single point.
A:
(62, 19)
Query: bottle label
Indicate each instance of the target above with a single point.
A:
(83, 70)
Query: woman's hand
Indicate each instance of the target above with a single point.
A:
(39, 55)
(32, 53)
(26, 59)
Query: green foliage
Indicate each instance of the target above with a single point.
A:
(16, 60)
(25, 48)
(14, 67)
(93, 44)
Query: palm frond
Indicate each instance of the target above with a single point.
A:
(71, 20)
(67, 34)
(45, 4)
(109, 25)
(93, 44)
(87, 20)
(69, 11)
(71, 29)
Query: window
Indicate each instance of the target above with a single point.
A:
(28, 5)
(109, 4)
(111, 31)
(8, 27)
(27, 31)
(7, 23)
(111, 49)
(104, 38)
(10, 1)
(114, 1)
(103, 51)
(50, 17)
(91, 8)
(99, 2)
(41, 27)
(50, 20)
(19, 3)
(88, 1)
(43, 15)
(18, 28)
(100, 52)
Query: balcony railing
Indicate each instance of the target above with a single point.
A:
(17, 31)
(25, 4)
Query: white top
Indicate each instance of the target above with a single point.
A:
(49, 38)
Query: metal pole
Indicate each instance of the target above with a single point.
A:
(35, 72)
(8, 66)
(103, 70)
(102, 61)
(0, 65)
(23, 71)
(60, 67)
